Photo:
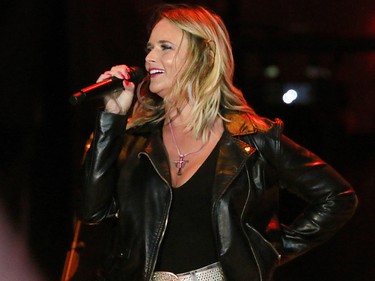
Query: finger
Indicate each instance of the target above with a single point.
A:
(128, 85)
(104, 76)
(121, 71)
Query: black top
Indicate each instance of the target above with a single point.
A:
(189, 241)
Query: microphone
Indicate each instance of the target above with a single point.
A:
(104, 87)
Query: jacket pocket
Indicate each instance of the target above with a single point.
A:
(267, 257)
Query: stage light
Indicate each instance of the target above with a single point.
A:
(290, 96)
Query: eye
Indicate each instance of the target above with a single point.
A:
(165, 47)
(148, 49)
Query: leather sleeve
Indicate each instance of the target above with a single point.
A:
(331, 201)
(99, 169)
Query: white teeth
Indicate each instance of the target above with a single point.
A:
(154, 71)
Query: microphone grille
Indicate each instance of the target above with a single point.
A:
(136, 74)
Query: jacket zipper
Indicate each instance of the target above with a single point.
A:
(251, 246)
(166, 217)
(265, 240)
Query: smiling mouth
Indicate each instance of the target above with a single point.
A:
(154, 72)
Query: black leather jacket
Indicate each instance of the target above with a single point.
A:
(127, 175)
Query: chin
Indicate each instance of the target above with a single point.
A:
(158, 92)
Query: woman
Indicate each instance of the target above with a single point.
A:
(192, 175)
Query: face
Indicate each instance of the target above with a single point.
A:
(167, 52)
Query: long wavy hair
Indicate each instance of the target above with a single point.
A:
(206, 80)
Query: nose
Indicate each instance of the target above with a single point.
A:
(150, 57)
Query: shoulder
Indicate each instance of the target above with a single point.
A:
(242, 123)
(262, 133)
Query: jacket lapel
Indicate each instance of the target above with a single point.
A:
(233, 154)
(158, 156)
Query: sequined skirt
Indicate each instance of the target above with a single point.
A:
(212, 272)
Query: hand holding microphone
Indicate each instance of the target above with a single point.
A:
(116, 86)
(120, 100)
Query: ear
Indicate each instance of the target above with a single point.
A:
(210, 46)
(211, 55)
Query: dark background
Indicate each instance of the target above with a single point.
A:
(50, 49)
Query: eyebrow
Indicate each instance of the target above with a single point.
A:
(160, 42)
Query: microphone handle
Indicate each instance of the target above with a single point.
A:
(106, 86)
(96, 90)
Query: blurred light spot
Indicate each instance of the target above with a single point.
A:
(290, 96)
(271, 71)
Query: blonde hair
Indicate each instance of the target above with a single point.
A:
(206, 81)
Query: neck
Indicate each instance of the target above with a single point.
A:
(179, 117)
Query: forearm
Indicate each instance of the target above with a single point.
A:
(99, 169)
(330, 199)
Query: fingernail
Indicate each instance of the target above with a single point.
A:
(126, 82)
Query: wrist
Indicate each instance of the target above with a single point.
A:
(118, 112)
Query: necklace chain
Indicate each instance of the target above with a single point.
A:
(181, 162)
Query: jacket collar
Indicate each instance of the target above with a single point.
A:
(233, 153)
(239, 123)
